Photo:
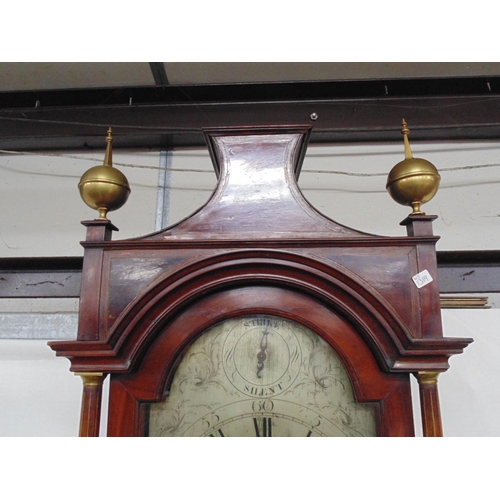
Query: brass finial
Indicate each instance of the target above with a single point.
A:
(104, 187)
(413, 181)
(406, 132)
(108, 157)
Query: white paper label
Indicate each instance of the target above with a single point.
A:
(422, 279)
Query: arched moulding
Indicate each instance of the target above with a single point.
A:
(387, 393)
(327, 283)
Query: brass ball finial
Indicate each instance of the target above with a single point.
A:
(104, 187)
(413, 181)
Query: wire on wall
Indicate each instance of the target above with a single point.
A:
(310, 171)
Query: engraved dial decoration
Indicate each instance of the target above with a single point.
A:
(261, 376)
(261, 356)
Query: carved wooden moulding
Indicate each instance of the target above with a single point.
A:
(282, 287)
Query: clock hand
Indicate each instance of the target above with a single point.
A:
(261, 356)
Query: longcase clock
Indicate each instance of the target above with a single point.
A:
(258, 316)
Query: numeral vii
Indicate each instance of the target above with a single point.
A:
(264, 430)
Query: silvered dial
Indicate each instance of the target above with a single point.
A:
(261, 376)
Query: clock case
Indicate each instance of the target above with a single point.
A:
(258, 247)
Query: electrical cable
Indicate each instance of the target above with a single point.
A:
(305, 170)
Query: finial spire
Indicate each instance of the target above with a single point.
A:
(406, 132)
(108, 157)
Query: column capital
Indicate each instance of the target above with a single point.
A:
(92, 378)
(427, 378)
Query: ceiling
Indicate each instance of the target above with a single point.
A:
(65, 105)
(24, 76)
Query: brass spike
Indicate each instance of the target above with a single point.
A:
(406, 132)
(108, 157)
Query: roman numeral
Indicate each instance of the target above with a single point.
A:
(267, 427)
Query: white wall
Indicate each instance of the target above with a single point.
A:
(465, 203)
(42, 209)
(41, 214)
(469, 392)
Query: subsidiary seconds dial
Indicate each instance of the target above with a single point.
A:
(261, 356)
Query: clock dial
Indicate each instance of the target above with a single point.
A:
(261, 356)
(265, 418)
(261, 376)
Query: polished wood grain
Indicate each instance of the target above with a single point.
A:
(90, 417)
(476, 271)
(258, 246)
(429, 404)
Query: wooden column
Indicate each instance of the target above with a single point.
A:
(429, 404)
(90, 416)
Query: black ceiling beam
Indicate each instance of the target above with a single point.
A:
(164, 93)
(40, 277)
(159, 73)
(169, 116)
